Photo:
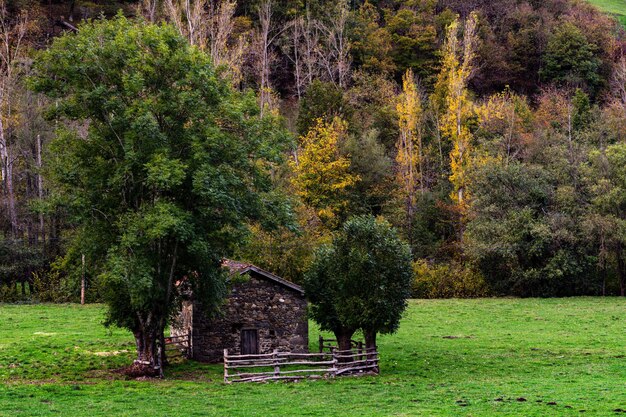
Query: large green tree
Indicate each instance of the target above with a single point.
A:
(160, 163)
(525, 234)
(570, 59)
(607, 219)
(361, 281)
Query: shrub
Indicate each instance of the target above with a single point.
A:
(447, 281)
(9, 293)
(49, 287)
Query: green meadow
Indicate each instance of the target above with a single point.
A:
(505, 357)
(614, 7)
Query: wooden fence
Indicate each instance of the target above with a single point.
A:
(328, 345)
(178, 346)
(294, 366)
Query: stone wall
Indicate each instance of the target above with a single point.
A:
(277, 313)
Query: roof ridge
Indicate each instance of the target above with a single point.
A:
(244, 267)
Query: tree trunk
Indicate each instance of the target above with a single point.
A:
(161, 347)
(82, 279)
(370, 339)
(149, 331)
(603, 272)
(42, 228)
(620, 270)
(147, 356)
(344, 341)
(370, 346)
(149, 342)
(7, 173)
(265, 19)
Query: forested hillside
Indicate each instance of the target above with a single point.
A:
(491, 134)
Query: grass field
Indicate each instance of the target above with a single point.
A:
(614, 7)
(502, 357)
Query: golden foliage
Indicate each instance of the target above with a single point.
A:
(507, 117)
(410, 155)
(456, 71)
(447, 281)
(322, 175)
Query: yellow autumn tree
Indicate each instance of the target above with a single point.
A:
(457, 68)
(505, 125)
(410, 153)
(322, 175)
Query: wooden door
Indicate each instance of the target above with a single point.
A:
(249, 342)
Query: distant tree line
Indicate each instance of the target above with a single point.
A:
(489, 133)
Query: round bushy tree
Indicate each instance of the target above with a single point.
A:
(570, 59)
(160, 164)
(361, 281)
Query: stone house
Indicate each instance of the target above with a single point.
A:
(263, 312)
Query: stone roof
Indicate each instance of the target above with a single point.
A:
(241, 268)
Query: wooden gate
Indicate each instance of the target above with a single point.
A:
(178, 346)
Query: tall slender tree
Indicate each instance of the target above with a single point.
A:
(334, 56)
(457, 69)
(12, 32)
(410, 156)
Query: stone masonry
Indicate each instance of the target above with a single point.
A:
(273, 309)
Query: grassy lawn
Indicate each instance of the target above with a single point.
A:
(614, 7)
(502, 357)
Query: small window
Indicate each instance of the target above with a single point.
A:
(272, 333)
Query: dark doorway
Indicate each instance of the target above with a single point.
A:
(249, 342)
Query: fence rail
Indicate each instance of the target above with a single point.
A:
(294, 366)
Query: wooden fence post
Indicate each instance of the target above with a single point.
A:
(82, 280)
(226, 366)
(334, 355)
(372, 358)
(321, 339)
(276, 364)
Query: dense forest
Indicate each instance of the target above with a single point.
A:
(491, 134)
